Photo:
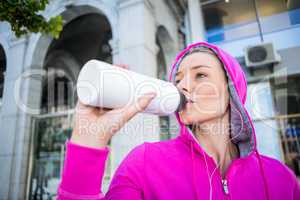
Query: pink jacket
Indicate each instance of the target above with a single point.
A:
(179, 168)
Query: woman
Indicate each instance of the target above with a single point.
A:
(214, 156)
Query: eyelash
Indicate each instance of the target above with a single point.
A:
(200, 74)
(197, 75)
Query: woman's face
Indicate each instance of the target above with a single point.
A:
(202, 80)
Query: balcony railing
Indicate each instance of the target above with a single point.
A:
(289, 131)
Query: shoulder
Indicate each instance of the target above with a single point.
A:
(275, 165)
(133, 164)
(278, 170)
(130, 169)
(281, 177)
(151, 150)
(166, 149)
(139, 151)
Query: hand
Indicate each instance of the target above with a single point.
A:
(95, 126)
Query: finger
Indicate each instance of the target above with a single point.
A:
(82, 105)
(84, 109)
(139, 106)
(118, 117)
(124, 66)
(101, 111)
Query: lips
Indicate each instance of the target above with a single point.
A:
(189, 102)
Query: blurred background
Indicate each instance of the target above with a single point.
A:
(38, 75)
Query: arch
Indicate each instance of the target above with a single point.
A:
(3, 64)
(40, 45)
(67, 60)
(5, 50)
(35, 56)
(167, 45)
(165, 39)
(165, 55)
(4, 45)
(60, 57)
(65, 69)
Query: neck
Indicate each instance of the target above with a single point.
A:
(214, 138)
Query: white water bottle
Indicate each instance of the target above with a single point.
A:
(101, 84)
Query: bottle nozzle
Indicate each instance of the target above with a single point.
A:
(182, 102)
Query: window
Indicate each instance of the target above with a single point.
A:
(229, 20)
(287, 99)
(236, 19)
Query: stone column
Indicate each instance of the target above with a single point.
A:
(196, 21)
(21, 97)
(135, 45)
(9, 135)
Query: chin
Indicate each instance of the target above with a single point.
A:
(192, 117)
(189, 119)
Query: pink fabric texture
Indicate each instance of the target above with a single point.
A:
(179, 168)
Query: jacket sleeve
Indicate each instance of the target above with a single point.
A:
(83, 172)
(296, 188)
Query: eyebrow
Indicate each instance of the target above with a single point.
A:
(193, 68)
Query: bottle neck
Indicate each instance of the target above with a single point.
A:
(182, 102)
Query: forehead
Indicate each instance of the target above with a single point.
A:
(199, 58)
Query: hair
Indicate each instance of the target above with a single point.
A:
(204, 49)
(201, 49)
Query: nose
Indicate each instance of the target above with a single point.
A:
(184, 86)
(184, 91)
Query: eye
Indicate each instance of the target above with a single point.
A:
(177, 81)
(200, 75)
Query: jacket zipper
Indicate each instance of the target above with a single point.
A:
(225, 186)
(224, 181)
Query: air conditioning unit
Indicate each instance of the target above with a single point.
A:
(261, 55)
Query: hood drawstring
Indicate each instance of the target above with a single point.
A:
(262, 172)
(193, 170)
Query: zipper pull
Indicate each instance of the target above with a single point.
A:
(225, 186)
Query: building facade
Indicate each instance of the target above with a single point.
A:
(273, 93)
(38, 77)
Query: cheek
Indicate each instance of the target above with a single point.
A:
(211, 101)
(210, 98)
(206, 90)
